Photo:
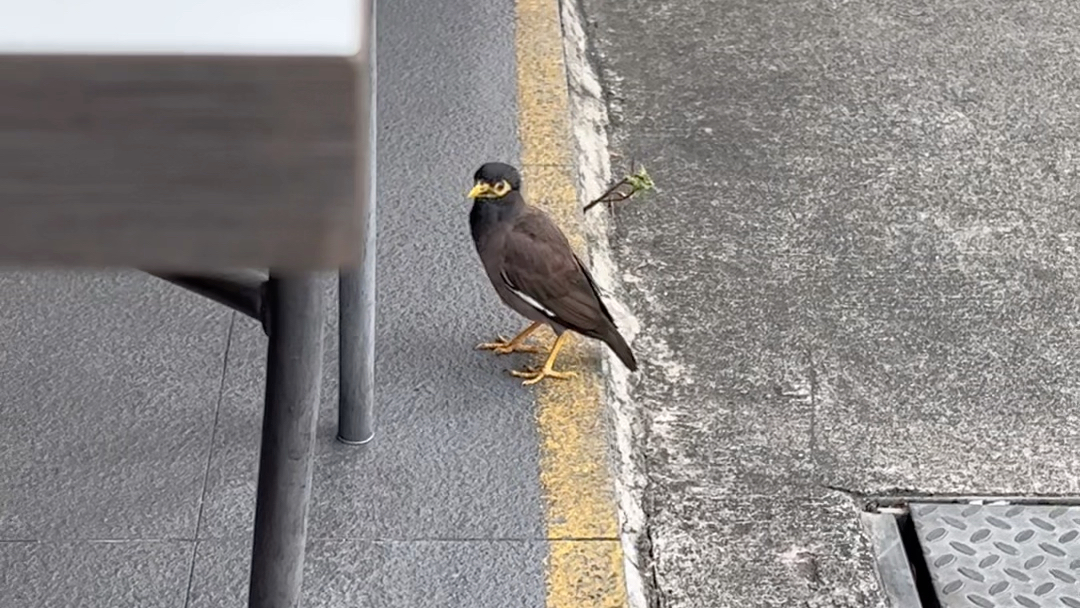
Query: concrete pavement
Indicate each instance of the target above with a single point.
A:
(858, 276)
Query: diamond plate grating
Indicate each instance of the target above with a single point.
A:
(991, 556)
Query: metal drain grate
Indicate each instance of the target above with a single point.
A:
(978, 555)
(985, 556)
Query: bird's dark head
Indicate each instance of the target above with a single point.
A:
(495, 180)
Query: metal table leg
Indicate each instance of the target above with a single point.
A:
(356, 358)
(293, 381)
(356, 293)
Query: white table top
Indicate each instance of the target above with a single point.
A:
(231, 27)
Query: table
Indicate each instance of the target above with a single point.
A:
(194, 140)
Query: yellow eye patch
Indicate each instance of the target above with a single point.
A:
(486, 190)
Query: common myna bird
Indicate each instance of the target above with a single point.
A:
(535, 272)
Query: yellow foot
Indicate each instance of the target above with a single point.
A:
(533, 375)
(502, 346)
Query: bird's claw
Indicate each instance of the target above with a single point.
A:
(533, 375)
(502, 346)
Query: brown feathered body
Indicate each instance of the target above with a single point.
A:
(536, 273)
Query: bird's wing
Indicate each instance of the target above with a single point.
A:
(541, 268)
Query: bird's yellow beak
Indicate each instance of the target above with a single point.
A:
(481, 190)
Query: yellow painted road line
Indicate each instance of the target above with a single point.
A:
(585, 559)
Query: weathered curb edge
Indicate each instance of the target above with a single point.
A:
(589, 119)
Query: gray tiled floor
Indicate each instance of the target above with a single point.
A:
(148, 574)
(130, 454)
(393, 574)
(107, 406)
(130, 410)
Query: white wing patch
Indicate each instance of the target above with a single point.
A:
(524, 296)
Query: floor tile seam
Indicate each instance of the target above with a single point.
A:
(210, 455)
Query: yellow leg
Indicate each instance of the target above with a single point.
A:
(533, 376)
(502, 346)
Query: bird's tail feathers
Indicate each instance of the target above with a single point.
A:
(621, 349)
